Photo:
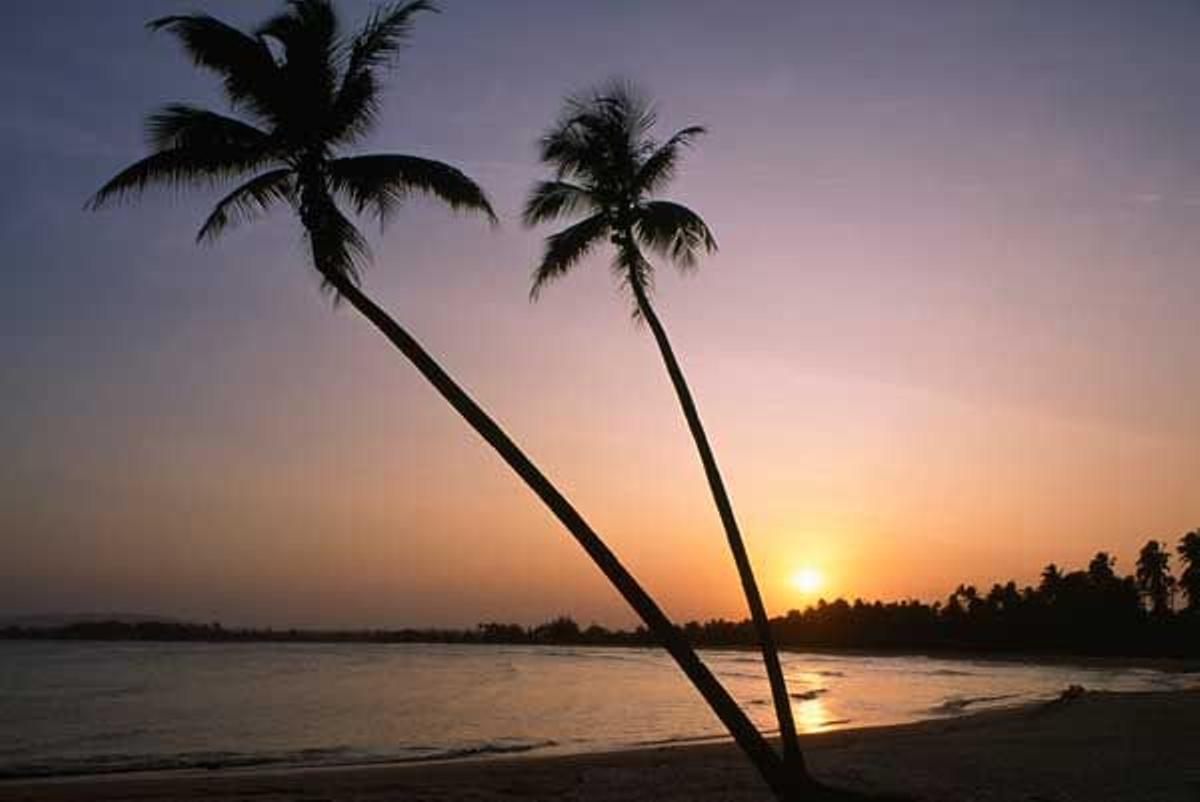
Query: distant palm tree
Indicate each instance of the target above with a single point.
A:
(608, 168)
(1189, 578)
(1100, 569)
(311, 91)
(1153, 576)
(1051, 582)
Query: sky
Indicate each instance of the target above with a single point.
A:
(950, 334)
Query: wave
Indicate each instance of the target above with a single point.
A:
(682, 739)
(808, 696)
(482, 749)
(592, 653)
(739, 674)
(120, 763)
(957, 704)
(123, 763)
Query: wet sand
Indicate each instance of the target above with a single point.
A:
(1098, 747)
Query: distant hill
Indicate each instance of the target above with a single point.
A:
(56, 620)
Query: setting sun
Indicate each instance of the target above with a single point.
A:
(807, 580)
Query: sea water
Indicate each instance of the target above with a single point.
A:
(82, 707)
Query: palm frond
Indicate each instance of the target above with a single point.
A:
(382, 182)
(626, 110)
(338, 247)
(244, 63)
(550, 200)
(312, 20)
(659, 167)
(630, 265)
(566, 248)
(674, 231)
(384, 33)
(569, 148)
(248, 202)
(356, 108)
(376, 44)
(178, 167)
(179, 125)
(308, 32)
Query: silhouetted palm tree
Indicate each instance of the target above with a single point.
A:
(1189, 578)
(1051, 582)
(1154, 578)
(608, 168)
(1100, 569)
(309, 92)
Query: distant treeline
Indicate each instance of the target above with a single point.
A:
(1089, 611)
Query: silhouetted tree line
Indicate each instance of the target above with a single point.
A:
(1088, 611)
(559, 631)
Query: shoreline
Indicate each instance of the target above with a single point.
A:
(1172, 665)
(1168, 664)
(1096, 746)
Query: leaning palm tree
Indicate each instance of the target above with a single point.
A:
(608, 167)
(309, 91)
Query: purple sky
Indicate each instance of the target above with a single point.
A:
(951, 334)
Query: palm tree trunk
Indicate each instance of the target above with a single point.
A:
(793, 757)
(735, 720)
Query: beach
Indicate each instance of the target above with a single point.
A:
(1096, 747)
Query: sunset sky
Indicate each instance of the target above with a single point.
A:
(952, 333)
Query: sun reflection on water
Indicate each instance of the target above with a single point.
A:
(811, 715)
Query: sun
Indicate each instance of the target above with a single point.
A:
(807, 580)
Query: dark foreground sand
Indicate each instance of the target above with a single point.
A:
(1097, 747)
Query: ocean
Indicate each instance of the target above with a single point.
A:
(69, 708)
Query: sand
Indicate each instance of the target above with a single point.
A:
(1097, 747)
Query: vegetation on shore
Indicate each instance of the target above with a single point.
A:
(1093, 611)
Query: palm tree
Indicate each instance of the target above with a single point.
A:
(1100, 569)
(607, 167)
(309, 91)
(1189, 578)
(1051, 582)
(1154, 577)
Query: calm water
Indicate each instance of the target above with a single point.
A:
(87, 707)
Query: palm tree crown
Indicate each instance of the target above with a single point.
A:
(307, 91)
(608, 167)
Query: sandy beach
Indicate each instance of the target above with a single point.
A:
(1100, 746)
